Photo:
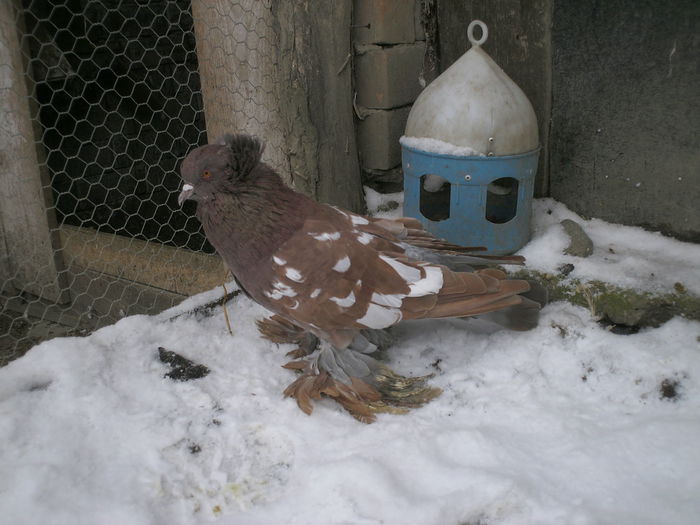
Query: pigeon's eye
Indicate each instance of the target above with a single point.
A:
(206, 174)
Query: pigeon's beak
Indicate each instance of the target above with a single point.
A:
(186, 193)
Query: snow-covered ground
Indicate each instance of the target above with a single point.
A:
(565, 424)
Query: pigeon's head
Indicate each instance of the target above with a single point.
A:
(219, 167)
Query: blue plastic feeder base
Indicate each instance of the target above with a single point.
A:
(485, 201)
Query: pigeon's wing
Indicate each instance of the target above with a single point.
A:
(325, 274)
(336, 275)
(423, 245)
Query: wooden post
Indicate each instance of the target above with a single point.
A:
(29, 241)
(283, 71)
(315, 66)
(235, 51)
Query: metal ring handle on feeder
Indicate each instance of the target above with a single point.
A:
(484, 32)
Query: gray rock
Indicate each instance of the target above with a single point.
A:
(581, 244)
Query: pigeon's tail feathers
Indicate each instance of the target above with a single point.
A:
(520, 317)
(459, 305)
(523, 316)
(246, 152)
(537, 293)
(474, 294)
(455, 261)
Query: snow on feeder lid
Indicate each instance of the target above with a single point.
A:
(469, 155)
(473, 105)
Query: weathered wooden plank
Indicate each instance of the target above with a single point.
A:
(180, 271)
(315, 86)
(519, 41)
(100, 300)
(111, 277)
(5, 264)
(31, 261)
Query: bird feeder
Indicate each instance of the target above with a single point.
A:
(470, 154)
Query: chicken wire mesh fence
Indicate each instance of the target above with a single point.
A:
(99, 103)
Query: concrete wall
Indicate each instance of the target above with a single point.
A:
(626, 112)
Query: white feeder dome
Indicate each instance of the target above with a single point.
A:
(475, 105)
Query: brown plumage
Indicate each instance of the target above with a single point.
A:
(338, 277)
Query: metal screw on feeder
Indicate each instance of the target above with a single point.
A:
(470, 154)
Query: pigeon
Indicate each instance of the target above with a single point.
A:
(336, 281)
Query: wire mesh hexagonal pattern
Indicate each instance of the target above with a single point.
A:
(100, 101)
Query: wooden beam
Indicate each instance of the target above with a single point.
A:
(29, 242)
(111, 277)
(238, 73)
(176, 270)
(100, 300)
(315, 90)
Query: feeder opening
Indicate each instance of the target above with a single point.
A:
(435, 192)
(502, 200)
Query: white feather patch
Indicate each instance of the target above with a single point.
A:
(342, 265)
(357, 220)
(315, 293)
(339, 210)
(326, 236)
(380, 317)
(278, 261)
(393, 300)
(280, 290)
(365, 238)
(407, 273)
(430, 284)
(345, 302)
(293, 274)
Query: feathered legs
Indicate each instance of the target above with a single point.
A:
(360, 383)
